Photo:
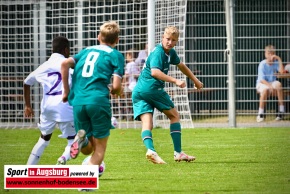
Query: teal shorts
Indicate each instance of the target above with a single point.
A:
(94, 119)
(145, 102)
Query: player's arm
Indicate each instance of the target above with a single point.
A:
(158, 74)
(28, 112)
(186, 71)
(116, 87)
(65, 65)
(27, 83)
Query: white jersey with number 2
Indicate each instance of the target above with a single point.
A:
(49, 76)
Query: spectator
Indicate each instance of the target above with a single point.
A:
(287, 98)
(142, 56)
(267, 83)
(287, 70)
(132, 71)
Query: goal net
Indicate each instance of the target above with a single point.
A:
(173, 13)
(28, 27)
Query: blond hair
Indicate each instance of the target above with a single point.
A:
(172, 30)
(109, 32)
(270, 48)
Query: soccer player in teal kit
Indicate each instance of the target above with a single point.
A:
(149, 93)
(93, 69)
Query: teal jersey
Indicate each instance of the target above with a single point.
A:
(94, 67)
(157, 59)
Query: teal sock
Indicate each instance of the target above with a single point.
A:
(175, 132)
(147, 139)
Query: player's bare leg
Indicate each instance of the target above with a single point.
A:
(100, 146)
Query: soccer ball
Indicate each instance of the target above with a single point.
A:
(101, 167)
(114, 122)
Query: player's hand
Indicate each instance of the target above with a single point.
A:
(28, 112)
(121, 92)
(180, 83)
(65, 97)
(199, 85)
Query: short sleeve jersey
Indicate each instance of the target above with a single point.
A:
(157, 59)
(131, 70)
(94, 67)
(267, 72)
(49, 76)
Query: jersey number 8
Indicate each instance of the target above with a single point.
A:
(89, 65)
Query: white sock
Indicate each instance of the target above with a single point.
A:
(37, 151)
(281, 108)
(261, 111)
(66, 152)
(86, 161)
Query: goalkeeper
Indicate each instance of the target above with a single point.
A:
(149, 93)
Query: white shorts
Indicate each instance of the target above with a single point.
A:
(262, 87)
(47, 127)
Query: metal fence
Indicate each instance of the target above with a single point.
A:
(256, 24)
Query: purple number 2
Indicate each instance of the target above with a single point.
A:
(51, 92)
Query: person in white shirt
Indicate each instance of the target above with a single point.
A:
(132, 71)
(142, 56)
(53, 110)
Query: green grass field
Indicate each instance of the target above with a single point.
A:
(252, 160)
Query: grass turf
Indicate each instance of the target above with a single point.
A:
(249, 160)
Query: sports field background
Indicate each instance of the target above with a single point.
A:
(28, 27)
(240, 160)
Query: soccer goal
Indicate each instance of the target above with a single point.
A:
(28, 28)
(173, 13)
